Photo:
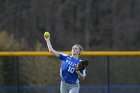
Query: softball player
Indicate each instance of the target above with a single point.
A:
(69, 76)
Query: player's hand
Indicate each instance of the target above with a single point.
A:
(48, 38)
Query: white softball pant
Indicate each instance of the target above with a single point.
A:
(69, 88)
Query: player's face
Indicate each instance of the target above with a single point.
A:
(75, 50)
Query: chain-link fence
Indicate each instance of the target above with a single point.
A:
(105, 74)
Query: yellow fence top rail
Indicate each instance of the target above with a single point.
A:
(85, 53)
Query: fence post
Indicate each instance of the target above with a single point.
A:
(108, 74)
(17, 74)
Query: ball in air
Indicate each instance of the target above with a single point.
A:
(46, 34)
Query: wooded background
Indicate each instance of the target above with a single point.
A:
(95, 24)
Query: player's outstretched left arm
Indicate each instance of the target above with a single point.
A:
(82, 66)
(82, 76)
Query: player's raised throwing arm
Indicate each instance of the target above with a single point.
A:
(47, 39)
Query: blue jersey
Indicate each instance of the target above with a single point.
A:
(67, 71)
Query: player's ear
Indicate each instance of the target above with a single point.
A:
(81, 49)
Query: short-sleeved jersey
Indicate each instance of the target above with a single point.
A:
(67, 71)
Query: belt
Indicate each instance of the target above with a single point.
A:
(67, 82)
